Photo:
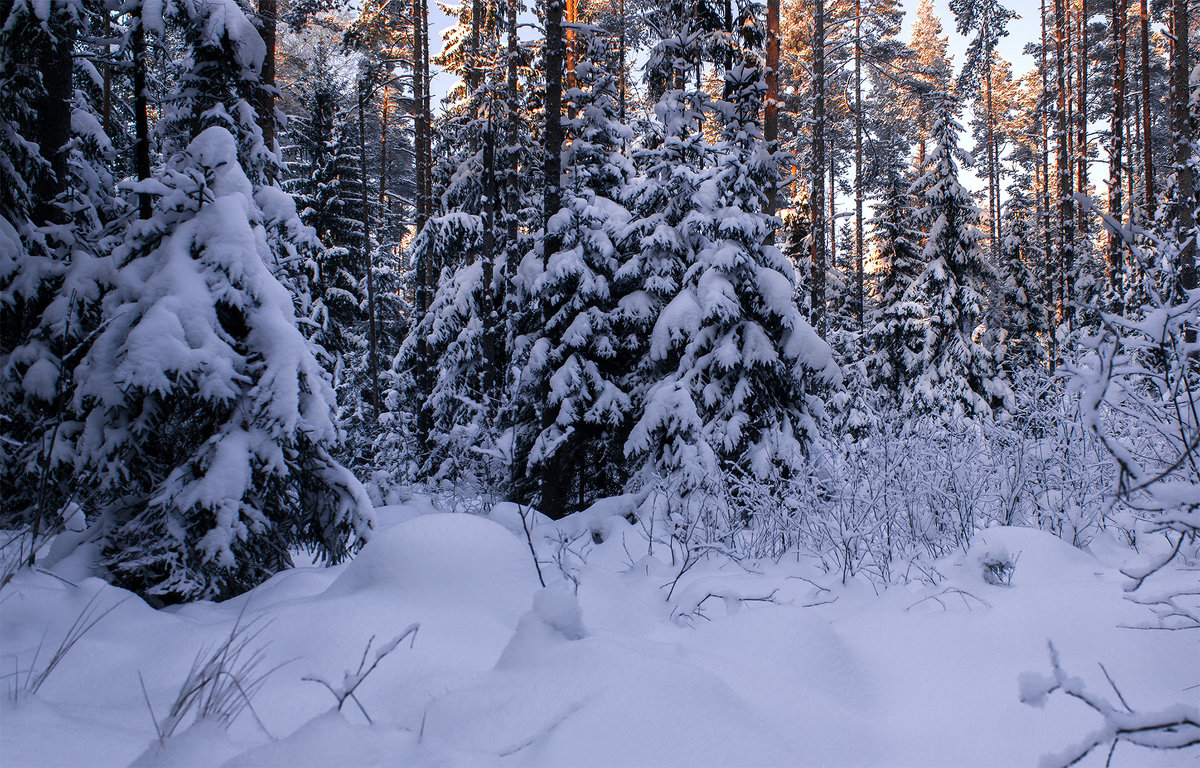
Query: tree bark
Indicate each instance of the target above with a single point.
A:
(1048, 255)
(1184, 198)
(1116, 251)
(53, 122)
(1147, 145)
(817, 276)
(512, 182)
(993, 181)
(1081, 113)
(552, 489)
(141, 119)
(268, 16)
(571, 17)
(474, 41)
(771, 106)
(426, 273)
(372, 337)
(832, 195)
(1066, 240)
(859, 292)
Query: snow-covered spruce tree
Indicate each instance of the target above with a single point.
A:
(748, 368)
(896, 327)
(1018, 317)
(56, 196)
(219, 84)
(952, 372)
(451, 331)
(752, 363)
(447, 342)
(578, 362)
(209, 421)
(326, 184)
(485, 219)
(669, 455)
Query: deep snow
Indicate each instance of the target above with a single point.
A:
(502, 672)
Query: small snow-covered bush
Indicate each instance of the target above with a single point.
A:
(903, 492)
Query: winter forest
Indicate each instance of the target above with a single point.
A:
(674, 382)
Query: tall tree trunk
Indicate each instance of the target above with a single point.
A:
(1147, 145)
(1116, 251)
(1081, 113)
(817, 278)
(383, 156)
(53, 126)
(141, 118)
(1185, 194)
(622, 54)
(571, 17)
(1066, 240)
(426, 113)
(53, 133)
(426, 273)
(1048, 252)
(551, 481)
(1131, 165)
(993, 181)
(488, 248)
(474, 41)
(512, 182)
(268, 16)
(859, 292)
(372, 336)
(833, 249)
(771, 106)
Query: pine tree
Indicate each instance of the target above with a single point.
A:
(756, 364)
(933, 76)
(487, 210)
(209, 421)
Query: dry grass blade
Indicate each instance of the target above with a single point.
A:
(221, 682)
(89, 617)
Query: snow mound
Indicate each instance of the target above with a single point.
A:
(1038, 556)
(556, 617)
(451, 558)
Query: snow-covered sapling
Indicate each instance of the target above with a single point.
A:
(999, 566)
(351, 680)
(1175, 727)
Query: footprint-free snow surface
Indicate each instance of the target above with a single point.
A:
(765, 663)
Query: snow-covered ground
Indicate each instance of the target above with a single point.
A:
(744, 664)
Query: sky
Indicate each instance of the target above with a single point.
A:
(1022, 30)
